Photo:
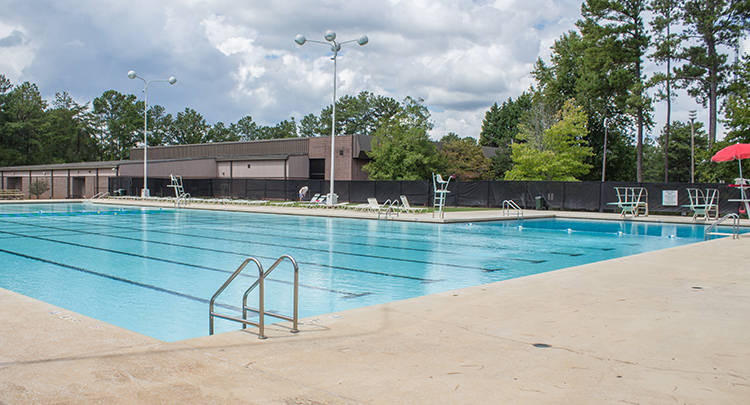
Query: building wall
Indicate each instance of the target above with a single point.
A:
(346, 166)
(259, 169)
(60, 181)
(298, 167)
(188, 169)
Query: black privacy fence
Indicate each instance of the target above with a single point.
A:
(578, 196)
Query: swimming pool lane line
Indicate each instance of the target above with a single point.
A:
(116, 278)
(241, 254)
(345, 294)
(285, 247)
(345, 242)
(251, 219)
(411, 240)
(244, 255)
(76, 213)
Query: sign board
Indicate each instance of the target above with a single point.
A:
(669, 198)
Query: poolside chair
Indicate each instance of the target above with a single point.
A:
(313, 200)
(320, 202)
(705, 205)
(371, 205)
(406, 207)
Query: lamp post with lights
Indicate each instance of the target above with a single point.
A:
(171, 80)
(330, 37)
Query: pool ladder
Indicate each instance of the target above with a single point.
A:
(509, 205)
(389, 207)
(260, 310)
(735, 227)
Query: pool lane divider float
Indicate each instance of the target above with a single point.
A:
(80, 213)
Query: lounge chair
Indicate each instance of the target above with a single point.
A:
(406, 207)
(317, 203)
(705, 205)
(313, 200)
(371, 205)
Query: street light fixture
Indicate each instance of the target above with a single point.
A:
(692, 145)
(171, 80)
(330, 36)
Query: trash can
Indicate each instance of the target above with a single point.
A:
(541, 204)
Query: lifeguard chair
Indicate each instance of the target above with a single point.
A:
(440, 189)
(181, 197)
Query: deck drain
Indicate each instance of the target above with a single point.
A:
(697, 288)
(542, 345)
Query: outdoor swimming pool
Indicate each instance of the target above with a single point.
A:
(153, 271)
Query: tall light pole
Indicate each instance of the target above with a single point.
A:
(604, 154)
(171, 80)
(330, 36)
(692, 146)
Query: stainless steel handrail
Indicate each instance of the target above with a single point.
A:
(261, 303)
(183, 199)
(735, 227)
(388, 207)
(100, 194)
(511, 205)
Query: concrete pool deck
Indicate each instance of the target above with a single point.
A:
(670, 326)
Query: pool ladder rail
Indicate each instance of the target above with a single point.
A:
(389, 208)
(101, 194)
(735, 227)
(261, 304)
(510, 205)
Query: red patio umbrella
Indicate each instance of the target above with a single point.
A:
(737, 151)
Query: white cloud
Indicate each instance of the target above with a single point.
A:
(238, 58)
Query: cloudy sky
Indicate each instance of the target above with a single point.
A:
(236, 58)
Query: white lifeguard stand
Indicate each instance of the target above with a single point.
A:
(181, 197)
(440, 189)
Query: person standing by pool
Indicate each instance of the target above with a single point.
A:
(303, 193)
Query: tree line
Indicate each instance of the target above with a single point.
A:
(33, 132)
(599, 67)
(553, 131)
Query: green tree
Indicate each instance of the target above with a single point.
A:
(310, 126)
(221, 133)
(159, 124)
(401, 146)
(554, 153)
(679, 153)
(23, 134)
(500, 128)
(666, 15)
(709, 25)
(360, 115)
(616, 44)
(464, 158)
(569, 75)
(38, 187)
(189, 128)
(71, 128)
(121, 120)
(737, 107)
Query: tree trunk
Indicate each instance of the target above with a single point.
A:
(713, 82)
(669, 117)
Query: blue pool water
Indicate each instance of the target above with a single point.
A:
(153, 271)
